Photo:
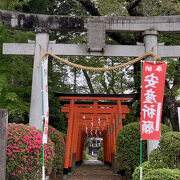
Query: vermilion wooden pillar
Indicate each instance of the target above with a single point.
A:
(107, 159)
(75, 141)
(74, 123)
(119, 115)
(68, 140)
(111, 115)
(112, 142)
(82, 148)
(109, 145)
(105, 149)
(113, 163)
(78, 154)
(114, 135)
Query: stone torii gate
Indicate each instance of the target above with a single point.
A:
(96, 28)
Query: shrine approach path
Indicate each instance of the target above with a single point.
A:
(94, 170)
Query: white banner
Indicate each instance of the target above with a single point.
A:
(179, 116)
(45, 98)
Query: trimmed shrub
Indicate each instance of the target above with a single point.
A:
(162, 174)
(156, 159)
(146, 168)
(24, 153)
(163, 160)
(101, 154)
(128, 146)
(170, 149)
(156, 174)
(60, 147)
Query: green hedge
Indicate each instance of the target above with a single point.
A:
(86, 156)
(162, 174)
(163, 162)
(156, 159)
(101, 154)
(170, 149)
(146, 168)
(168, 153)
(58, 139)
(156, 174)
(128, 146)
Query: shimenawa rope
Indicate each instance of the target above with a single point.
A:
(150, 53)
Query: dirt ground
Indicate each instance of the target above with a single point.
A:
(93, 170)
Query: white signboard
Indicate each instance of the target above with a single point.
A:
(179, 116)
(44, 74)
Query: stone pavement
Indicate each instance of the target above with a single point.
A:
(93, 170)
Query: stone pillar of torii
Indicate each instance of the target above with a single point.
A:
(96, 28)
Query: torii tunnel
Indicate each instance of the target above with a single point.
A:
(93, 115)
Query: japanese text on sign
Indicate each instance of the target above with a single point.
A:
(45, 98)
(153, 78)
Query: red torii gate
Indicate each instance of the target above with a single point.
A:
(93, 115)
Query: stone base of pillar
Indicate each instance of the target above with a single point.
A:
(107, 163)
(113, 164)
(65, 171)
(79, 162)
(69, 170)
(73, 166)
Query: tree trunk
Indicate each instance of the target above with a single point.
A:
(88, 81)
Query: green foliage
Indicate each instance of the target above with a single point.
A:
(24, 153)
(15, 78)
(156, 174)
(156, 159)
(13, 4)
(87, 144)
(115, 8)
(136, 173)
(101, 154)
(56, 117)
(59, 144)
(128, 146)
(164, 161)
(39, 6)
(86, 156)
(133, 113)
(67, 7)
(159, 7)
(170, 149)
(162, 174)
(173, 70)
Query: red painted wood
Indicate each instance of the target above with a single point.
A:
(69, 134)
(84, 115)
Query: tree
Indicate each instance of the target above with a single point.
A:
(15, 78)
(144, 8)
(16, 74)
